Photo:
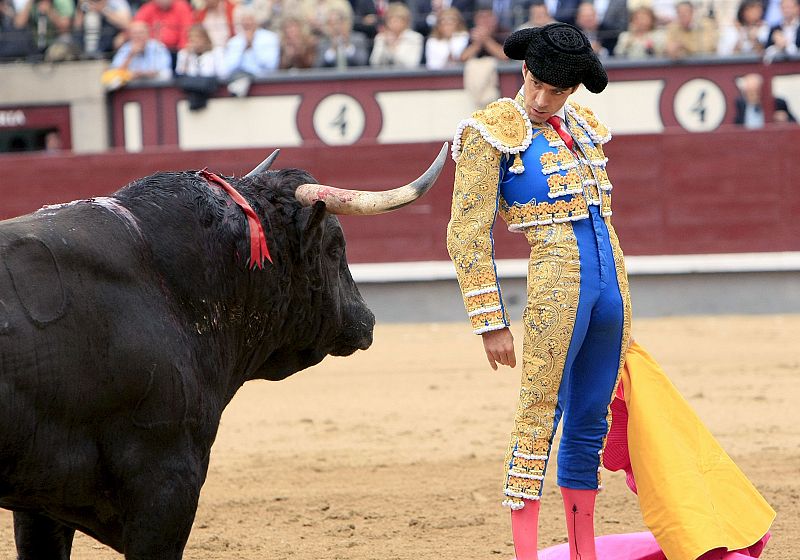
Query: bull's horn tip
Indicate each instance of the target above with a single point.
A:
(266, 164)
(424, 183)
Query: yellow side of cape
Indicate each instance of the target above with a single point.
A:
(693, 497)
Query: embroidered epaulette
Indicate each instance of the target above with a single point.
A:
(585, 117)
(504, 125)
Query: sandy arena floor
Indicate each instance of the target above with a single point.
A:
(395, 453)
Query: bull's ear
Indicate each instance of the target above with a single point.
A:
(313, 233)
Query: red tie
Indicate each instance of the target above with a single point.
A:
(555, 122)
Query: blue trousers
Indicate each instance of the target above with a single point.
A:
(593, 360)
(577, 322)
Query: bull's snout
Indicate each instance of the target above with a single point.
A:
(369, 326)
(356, 333)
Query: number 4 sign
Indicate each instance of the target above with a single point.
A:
(339, 120)
(699, 105)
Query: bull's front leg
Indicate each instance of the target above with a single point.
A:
(39, 537)
(160, 509)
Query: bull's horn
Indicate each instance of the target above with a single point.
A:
(264, 165)
(367, 203)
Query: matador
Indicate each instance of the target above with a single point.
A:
(537, 160)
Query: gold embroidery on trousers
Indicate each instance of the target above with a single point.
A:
(549, 319)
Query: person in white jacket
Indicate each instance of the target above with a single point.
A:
(199, 57)
(397, 44)
(199, 67)
(253, 50)
(447, 40)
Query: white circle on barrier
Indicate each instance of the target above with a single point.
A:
(699, 105)
(339, 120)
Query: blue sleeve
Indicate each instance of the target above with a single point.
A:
(122, 54)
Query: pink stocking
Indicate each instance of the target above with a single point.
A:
(525, 530)
(579, 511)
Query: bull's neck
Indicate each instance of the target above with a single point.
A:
(217, 299)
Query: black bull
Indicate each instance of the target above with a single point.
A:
(128, 323)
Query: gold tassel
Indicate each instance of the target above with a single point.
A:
(517, 166)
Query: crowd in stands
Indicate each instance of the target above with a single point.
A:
(239, 40)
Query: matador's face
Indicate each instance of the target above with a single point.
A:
(542, 100)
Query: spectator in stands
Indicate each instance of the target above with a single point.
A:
(53, 143)
(98, 23)
(397, 44)
(784, 39)
(689, 35)
(15, 42)
(50, 23)
(485, 38)
(140, 58)
(613, 16)
(342, 47)
(563, 10)
(642, 39)
(538, 15)
(429, 11)
(368, 15)
(298, 44)
(509, 13)
(217, 17)
(586, 20)
(254, 52)
(664, 10)
(447, 40)
(169, 21)
(321, 9)
(750, 111)
(748, 34)
(269, 12)
(200, 57)
(721, 12)
(485, 48)
(199, 66)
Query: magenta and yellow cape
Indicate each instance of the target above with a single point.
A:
(693, 497)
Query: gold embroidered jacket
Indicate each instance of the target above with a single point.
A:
(492, 150)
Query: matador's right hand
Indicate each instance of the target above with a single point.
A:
(499, 346)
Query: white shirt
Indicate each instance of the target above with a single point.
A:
(441, 53)
(732, 35)
(259, 60)
(753, 117)
(208, 64)
(562, 114)
(406, 53)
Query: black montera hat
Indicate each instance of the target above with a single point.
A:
(558, 54)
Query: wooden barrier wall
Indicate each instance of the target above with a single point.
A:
(729, 191)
